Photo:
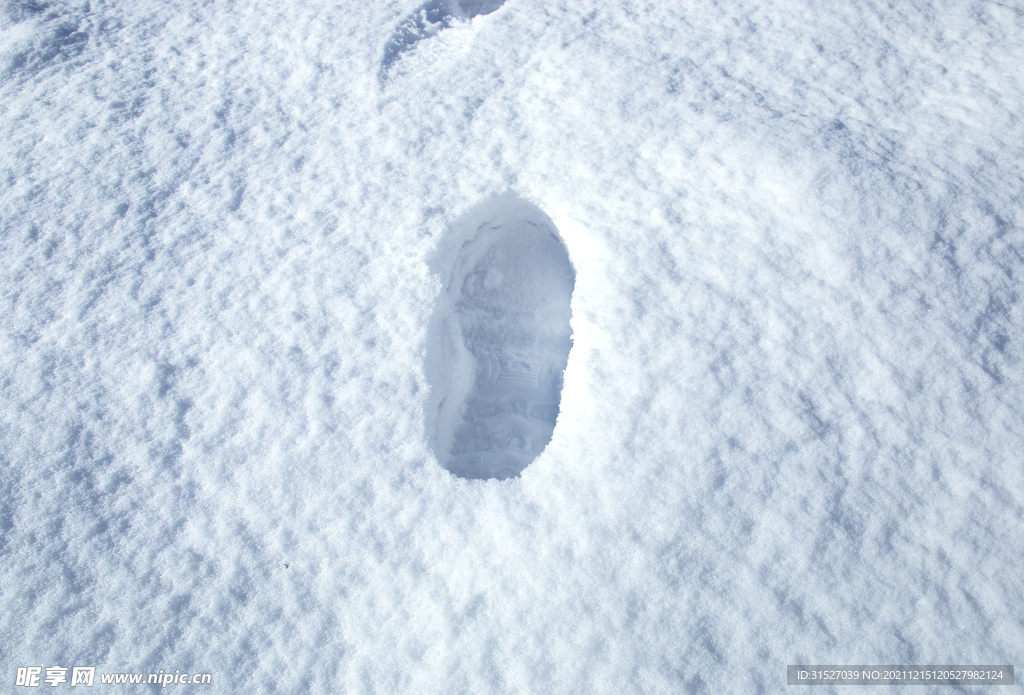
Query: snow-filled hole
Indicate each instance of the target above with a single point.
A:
(501, 341)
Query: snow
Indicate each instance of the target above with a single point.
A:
(791, 419)
(501, 337)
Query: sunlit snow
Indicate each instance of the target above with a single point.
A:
(235, 369)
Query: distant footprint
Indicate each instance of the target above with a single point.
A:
(427, 21)
(508, 343)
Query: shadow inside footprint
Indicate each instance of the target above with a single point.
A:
(427, 21)
(502, 343)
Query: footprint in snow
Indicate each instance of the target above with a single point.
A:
(504, 339)
(428, 19)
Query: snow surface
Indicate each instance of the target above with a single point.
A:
(792, 418)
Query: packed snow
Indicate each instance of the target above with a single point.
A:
(262, 263)
(501, 343)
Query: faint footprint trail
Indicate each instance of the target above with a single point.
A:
(428, 19)
(509, 339)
